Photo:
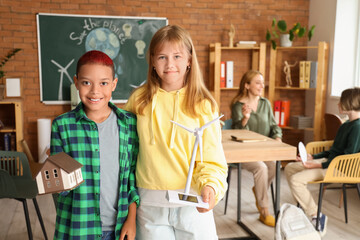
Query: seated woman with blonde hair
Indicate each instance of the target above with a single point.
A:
(249, 110)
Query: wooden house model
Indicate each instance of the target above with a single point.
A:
(58, 173)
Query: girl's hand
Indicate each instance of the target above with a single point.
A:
(208, 195)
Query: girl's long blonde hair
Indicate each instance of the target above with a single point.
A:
(243, 92)
(196, 90)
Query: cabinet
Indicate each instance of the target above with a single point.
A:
(245, 58)
(303, 101)
(11, 116)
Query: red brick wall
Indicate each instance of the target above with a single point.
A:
(208, 21)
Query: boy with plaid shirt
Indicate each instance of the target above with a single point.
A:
(104, 140)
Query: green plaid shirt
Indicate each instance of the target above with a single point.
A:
(78, 210)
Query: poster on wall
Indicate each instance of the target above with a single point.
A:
(63, 39)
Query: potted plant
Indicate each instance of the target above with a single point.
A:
(279, 29)
(2, 72)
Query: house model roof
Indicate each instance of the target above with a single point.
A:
(62, 160)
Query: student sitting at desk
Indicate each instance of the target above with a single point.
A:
(251, 111)
(347, 141)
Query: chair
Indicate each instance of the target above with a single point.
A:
(227, 125)
(17, 183)
(343, 169)
(332, 124)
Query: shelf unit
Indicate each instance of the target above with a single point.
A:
(245, 58)
(12, 117)
(305, 101)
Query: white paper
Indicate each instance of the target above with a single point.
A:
(13, 88)
(302, 152)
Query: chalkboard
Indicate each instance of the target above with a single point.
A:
(62, 39)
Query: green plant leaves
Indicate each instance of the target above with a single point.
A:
(282, 26)
(7, 58)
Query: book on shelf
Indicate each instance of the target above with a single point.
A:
(285, 113)
(222, 74)
(229, 74)
(277, 110)
(245, 44)
(313, 74)
(7, 142)
(307, 73)
(302, 74)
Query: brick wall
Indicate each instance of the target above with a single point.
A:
(208, 21)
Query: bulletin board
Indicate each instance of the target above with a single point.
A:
(63, 39)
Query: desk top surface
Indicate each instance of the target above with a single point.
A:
(259, 148)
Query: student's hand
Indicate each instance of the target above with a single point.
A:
(278, 139)
(208, 195)
(128, 230)
(309, 157)
(311, 164)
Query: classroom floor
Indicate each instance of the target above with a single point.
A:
(13, 227)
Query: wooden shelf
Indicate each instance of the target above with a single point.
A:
(277, 90)
(294, 88)
(12, 116)
(256, 60)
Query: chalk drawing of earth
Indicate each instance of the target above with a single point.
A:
(102, 39)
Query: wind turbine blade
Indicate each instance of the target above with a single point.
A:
(58, 65)
(69, 64)
(190, 130)
(200, 148)
(209, 123)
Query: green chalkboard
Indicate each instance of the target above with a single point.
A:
(62, 39)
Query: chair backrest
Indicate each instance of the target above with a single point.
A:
(318, 146)
(227, 124)
(332, 124)
(15, 163)
(344, 169)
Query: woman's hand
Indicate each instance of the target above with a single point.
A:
(246, 111)
(208, 195)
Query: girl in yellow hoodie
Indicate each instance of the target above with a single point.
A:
(175, 91)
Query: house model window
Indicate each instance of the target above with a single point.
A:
(55, 173)
(47, 176)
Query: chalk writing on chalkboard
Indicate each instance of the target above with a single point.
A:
(63, 38)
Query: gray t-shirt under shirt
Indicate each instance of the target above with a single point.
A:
(109, 171)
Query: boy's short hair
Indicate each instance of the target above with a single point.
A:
(95, 57)
(350, 99)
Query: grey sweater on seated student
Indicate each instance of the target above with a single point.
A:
(347, 141)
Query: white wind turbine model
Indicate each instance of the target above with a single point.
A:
(186, 198)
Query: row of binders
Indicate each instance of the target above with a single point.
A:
(307, 74)
(8, 142)
(282, 112)
(227, 74)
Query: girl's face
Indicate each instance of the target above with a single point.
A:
(256, 85)
(95, 84)
(171, 62)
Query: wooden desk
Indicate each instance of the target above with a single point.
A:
(266, 149)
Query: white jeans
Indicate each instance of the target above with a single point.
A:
(180, 223)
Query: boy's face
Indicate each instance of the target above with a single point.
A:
(95, 84)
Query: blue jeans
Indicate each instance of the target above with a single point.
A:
(108, 235)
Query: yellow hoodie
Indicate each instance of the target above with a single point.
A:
(165, 148)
